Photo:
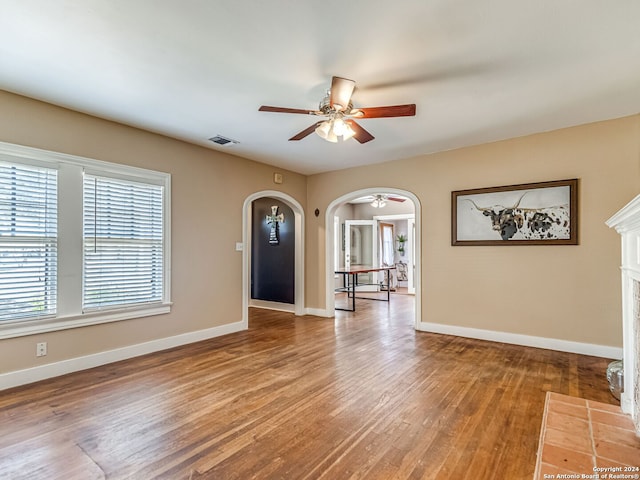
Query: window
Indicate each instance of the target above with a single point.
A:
(81, 241)
(123, 236)
(386, 241)
(28, 241)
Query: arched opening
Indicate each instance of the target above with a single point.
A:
(330, 252)
(298, 220)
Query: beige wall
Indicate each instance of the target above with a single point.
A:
(208, 192)
(563, 292)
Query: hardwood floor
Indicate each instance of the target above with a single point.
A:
(364, 396)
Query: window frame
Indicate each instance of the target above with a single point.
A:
(71, 169)
(103, 183)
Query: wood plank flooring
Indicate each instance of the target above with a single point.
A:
(362, 396)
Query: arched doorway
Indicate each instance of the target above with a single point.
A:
(298, 213)
(330, 246)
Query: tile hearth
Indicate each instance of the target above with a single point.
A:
(581, 436)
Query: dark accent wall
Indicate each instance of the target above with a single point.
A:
(272, 266)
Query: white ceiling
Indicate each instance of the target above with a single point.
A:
(478, 71)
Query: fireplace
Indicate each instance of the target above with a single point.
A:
(634, 371)
(627, 224)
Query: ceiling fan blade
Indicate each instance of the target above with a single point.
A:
(361, 135)
(266, 108)
(341, 91)
(408, 110)
(395, 199)
(305, 132)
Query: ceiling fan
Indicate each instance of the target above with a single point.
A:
(338, 109)
(378, 200)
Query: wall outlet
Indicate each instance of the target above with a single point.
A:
(41, 349)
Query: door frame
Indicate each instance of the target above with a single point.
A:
(373, 286)
(411, 221)
(411, 227)
(329, 246)
(298, 214)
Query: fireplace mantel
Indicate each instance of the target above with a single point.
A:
(627, 224)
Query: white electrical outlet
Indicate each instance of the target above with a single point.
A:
(41, 349)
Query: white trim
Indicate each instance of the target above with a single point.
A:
(604, 351)
(411, 222)
(627, 218)
(298, 213)
(37, 156)
(411, 228)
(35, 374)
(318, 312)
(627, 223)
(22, 328)
(329, 247)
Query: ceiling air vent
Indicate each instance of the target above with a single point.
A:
(223, 141)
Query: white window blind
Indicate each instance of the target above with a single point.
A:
(123, 243)
(28, 241)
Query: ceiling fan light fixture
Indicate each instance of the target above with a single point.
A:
(339, 127)
(331, 137)
(348, 133)
(378, 201)
(330, 130)
(323, 129)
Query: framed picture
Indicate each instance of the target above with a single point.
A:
(544, 213)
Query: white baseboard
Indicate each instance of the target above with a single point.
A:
(35, 374)
(525, 340)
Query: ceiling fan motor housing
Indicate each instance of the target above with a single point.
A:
(326, 108)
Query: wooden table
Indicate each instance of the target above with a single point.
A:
(350, 286)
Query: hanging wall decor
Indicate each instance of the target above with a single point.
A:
(544, 213)
(274, 219)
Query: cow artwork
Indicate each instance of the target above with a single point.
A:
(527, 223)
(543, 213)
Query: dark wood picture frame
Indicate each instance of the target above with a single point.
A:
(543, 213)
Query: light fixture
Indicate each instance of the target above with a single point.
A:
(349, 133)
(323, 129)
(379, 201)
(339, 127)
(335, 127)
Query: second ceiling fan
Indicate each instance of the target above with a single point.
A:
(338, 109)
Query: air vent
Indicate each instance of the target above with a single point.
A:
(223, 141)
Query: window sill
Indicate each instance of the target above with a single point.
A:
(33, 327)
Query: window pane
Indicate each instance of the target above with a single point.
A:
(123, 243)
(28, 241)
